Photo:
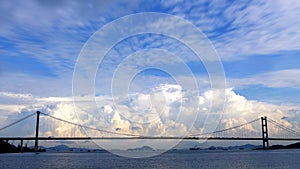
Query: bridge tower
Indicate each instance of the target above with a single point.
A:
(36, 144)
(265, 136)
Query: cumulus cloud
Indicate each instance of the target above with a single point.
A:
(239, 110)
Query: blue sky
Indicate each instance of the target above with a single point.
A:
(43, 39)
(258, 43)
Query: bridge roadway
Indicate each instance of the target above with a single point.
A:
(136, 138)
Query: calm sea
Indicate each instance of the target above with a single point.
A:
(185, 159)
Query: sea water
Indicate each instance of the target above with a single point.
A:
(289, 159)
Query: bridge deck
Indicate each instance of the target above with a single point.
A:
(136, 138)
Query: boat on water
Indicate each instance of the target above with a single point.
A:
(195, 148)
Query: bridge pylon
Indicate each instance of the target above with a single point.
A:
(36, 144)
(265, 135)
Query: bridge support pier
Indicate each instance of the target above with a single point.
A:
(21, 146)
(265, 135)
(36, 144)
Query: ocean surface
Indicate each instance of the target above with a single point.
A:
(286, 159)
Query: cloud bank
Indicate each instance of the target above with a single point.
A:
(238, 110)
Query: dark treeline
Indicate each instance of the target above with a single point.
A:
(290, 146)
(5, 147)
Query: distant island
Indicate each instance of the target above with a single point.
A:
(250, 147)
(144, 148)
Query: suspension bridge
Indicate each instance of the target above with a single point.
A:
(261, 129)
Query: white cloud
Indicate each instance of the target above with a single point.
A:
(277, 79)
(61, 28)
(36, 85)
(261, 28)
(54, 32)
(239, 28)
